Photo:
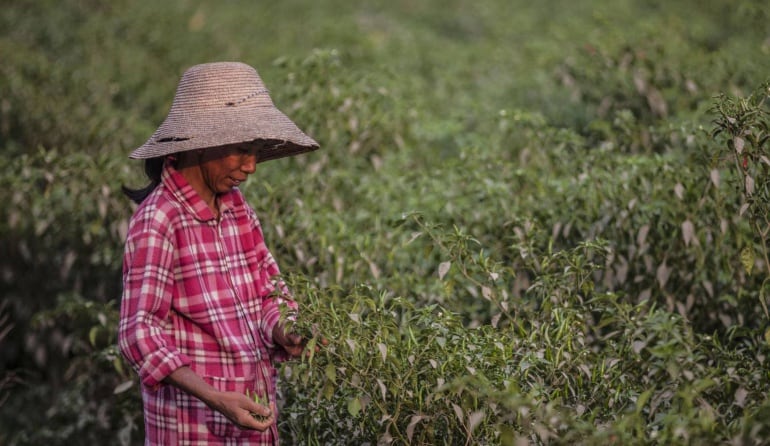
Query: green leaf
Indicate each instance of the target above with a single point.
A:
(331, 373)
(642, 400)
(354, 407)
(328, 391)
(747, 259)
(92, 335)
(117, 363)
(310, 348)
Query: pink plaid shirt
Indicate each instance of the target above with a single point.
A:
(203, 293)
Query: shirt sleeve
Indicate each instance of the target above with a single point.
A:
(147, 290)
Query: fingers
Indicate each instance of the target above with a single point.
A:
(259, 410)
(257, 423)
(308, 348)
(261, 417)
(294, 339)
(246, 413)
(312, 347)
(262, 423)
(295, 344)
(285, 338)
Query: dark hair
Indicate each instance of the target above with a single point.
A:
(153, 168)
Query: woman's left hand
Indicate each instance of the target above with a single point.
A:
(293, 343)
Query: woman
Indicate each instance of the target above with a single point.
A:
(203, 312)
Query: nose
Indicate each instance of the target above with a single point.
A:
(249, 163)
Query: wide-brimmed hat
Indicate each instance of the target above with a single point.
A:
(224, 103)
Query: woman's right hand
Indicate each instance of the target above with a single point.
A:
(236, 407)
(242, 411)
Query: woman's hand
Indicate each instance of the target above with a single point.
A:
(293, 343)
(243, 411)
(237, 407)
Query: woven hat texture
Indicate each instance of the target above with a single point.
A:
(224, 103)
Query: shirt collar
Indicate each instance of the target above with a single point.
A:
(185, 194)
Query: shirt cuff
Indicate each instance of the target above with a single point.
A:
(161, 364)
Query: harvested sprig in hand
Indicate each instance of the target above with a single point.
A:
(261, 400)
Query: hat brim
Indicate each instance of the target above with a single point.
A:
(201, 130)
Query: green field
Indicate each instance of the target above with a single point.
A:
(528, 223)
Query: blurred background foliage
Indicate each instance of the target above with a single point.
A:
(529, 223)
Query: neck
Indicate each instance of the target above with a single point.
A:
(193, 173)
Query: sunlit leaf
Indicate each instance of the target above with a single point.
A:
(413, 237)
(459, 413)
(475, 418)
(383, 350)
(688, 232)
(740, 397)
(412, 424)
(122, 387)
(641, 236)
(443, 268)
(679, 191)
(714, 175)
(738, 143)
(749, 185)
(383, 389)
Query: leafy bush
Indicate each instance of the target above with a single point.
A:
(564, 365)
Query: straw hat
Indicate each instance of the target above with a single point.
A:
(224, 103)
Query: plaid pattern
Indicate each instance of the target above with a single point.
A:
(199, 292)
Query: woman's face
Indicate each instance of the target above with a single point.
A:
(226, 167)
